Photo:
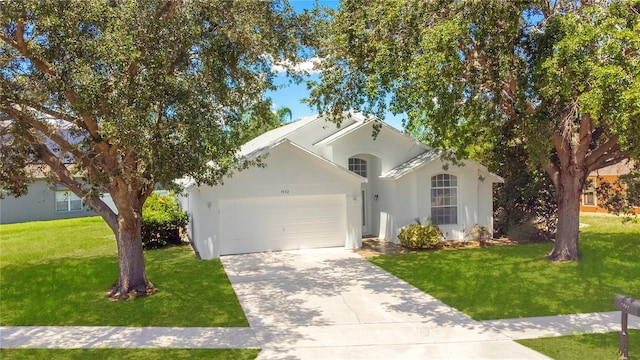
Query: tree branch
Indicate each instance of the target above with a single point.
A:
(594, 157)
(50, 133)
(167, 10)
(563, 148)
(612, 160)
(67, 179)
(584, 136)
(22, 47)
(554, 173)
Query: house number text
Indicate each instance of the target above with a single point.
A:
(284, 192)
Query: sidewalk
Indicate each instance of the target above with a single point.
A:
(551, 326)
(52, 337)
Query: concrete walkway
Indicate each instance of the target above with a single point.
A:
(330, 304)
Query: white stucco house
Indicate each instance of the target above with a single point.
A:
(327, 186)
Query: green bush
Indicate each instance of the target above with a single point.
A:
(418, 236)
(162, 221)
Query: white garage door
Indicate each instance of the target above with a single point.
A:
(282, 223)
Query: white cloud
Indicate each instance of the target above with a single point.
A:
(310, 66)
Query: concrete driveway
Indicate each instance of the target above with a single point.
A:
(333, 304)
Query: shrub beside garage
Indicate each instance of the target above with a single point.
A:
(163, 221)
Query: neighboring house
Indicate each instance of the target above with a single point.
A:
(589, 201)
(326, 186)
(44, 201)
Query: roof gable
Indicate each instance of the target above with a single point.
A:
(290, 130)
(366, 124)
(291, 146)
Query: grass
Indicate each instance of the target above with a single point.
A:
(517, 281)
(147, 354)
(58, 273)
(589, 346)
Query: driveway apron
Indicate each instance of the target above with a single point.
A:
(333, 304)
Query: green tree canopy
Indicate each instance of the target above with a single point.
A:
(132, 93)
(258, 125)
(560, 77)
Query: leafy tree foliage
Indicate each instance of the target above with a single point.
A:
(135, 92)
(561, 76)
(526, 199)
(256, 126)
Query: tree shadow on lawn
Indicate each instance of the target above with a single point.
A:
(518, 281)
(71, 291)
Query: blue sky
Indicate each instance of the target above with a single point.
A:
(291, 95)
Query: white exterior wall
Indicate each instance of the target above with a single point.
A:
(469, 212)
(391, 147)
(388, 206)
(202, 209)
(314, 132)
(485, 203)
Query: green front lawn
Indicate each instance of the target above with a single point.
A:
(517, 281)
(58, 273)
(147, 354)
(588, 346)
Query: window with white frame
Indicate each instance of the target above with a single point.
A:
(67, 201)
(444, 199)
(358, 166)
(589, 197)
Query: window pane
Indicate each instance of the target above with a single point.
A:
(62, 201)
(590, 198)
(358, 166)
(444, 215)
(61, 206)
(75, 205)
(62, 195)
(444, 199)
(67, 201)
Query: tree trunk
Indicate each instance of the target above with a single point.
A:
(132, 278)
(567, 233)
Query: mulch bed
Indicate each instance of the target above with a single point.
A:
(375, 246)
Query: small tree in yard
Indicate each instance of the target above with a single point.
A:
(562, 76)
(134, 93)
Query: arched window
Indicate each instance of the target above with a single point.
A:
(444, 199)
(358, 166)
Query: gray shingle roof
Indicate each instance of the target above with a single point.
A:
(411, 164)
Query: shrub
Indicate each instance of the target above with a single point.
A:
(479, 233)
(418, 236)
(162, 221)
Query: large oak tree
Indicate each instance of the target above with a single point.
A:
(563, 76)
(119, 95)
